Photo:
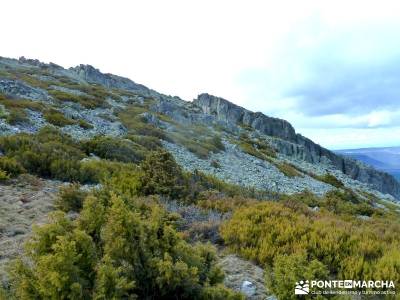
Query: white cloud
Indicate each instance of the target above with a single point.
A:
(254, 53)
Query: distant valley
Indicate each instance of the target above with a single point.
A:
(386, 159)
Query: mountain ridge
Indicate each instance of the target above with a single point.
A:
(283, 129)
(206, 110)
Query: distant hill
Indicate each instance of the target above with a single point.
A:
(386, 159)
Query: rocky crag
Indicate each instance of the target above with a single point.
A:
(254, 149)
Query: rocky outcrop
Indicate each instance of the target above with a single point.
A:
(18, 89)
(291, 144)
(93, 75)
(228, 112)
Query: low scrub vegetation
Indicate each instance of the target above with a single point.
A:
(293, 242)
(70, 198)
(288, 170)
(87, 101)
(256, 147)
(118, 149)
(137, 124)
(330, 179)
(11, 166)
(48, 153)
(122, 246)
(17, 109)
(57, 118)
(198, 139)
(3, 176)
(52, 154)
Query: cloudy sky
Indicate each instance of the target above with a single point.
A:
(331, 68)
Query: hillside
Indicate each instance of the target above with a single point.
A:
(84, 102)
(144, 195)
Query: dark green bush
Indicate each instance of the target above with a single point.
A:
(11, 166)
(217, 144)
(3, 176)
(57, 118)
(70, 197)
(96, 171)
(148, 142)
(115, 149)
(21, 104)
(48, 153)
(288, 169)
(17, 116)
(137, 124)
(330, 179)
(256, 147)
(120, 247)
(88, 101)
(85, 125)
(162, 176)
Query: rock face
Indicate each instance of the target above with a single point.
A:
(228, 112)
(292, 144)
(18, 89)
(93, 75)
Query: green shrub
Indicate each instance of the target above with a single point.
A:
(85, 125)
(162, 176)
(17, 109)
(3, 176)
(330, 179)
(300, 244)
(256, 147)
(196, 138)
(70, 197)
(249, 149)
(216, 142)
(339, 202)
(131, 118)
(115, 149)
(11, 166)
(288, 169)
(21, 104)
(120, 247)
(96, 171)
(57, 118)
(3, 112)
(87, 101)
(48, 153)
(16, 117)
(289, 269)
(148, 142)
